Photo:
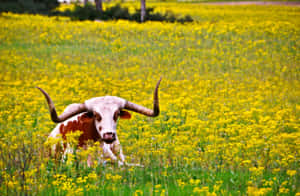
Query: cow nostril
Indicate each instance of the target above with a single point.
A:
(109, 137)
(111, 134)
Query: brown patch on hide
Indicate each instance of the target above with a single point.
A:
(85, 124)
(124, 114)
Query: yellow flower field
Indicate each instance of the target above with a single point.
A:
(229, 97)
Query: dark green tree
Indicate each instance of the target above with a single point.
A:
(28, 6)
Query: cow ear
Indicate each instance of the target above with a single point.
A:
(124, 114)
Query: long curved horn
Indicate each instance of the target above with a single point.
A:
(65, 115)
(142, 110)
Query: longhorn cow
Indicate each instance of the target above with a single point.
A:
(97, 118)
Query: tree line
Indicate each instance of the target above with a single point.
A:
(46, 6)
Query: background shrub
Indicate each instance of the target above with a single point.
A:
(28, 6)
(89, 12)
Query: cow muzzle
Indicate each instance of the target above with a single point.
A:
(109, 137)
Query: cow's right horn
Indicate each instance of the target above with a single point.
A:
(65, 115)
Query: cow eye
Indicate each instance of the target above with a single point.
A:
(97, 116)
(116, 115)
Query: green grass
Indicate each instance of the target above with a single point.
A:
(229, 100)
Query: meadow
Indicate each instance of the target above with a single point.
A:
(229, 97)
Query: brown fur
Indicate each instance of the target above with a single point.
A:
(85, 124)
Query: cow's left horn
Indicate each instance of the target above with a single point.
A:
(142, 110)
(65, 115)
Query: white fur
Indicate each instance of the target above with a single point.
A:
(105, 107)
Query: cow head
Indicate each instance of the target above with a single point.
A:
(106, 111)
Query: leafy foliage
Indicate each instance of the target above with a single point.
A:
(28, 6)
(89, 12)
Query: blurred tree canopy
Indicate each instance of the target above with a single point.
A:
(28, 6)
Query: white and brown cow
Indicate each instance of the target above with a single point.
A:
(97, 119)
